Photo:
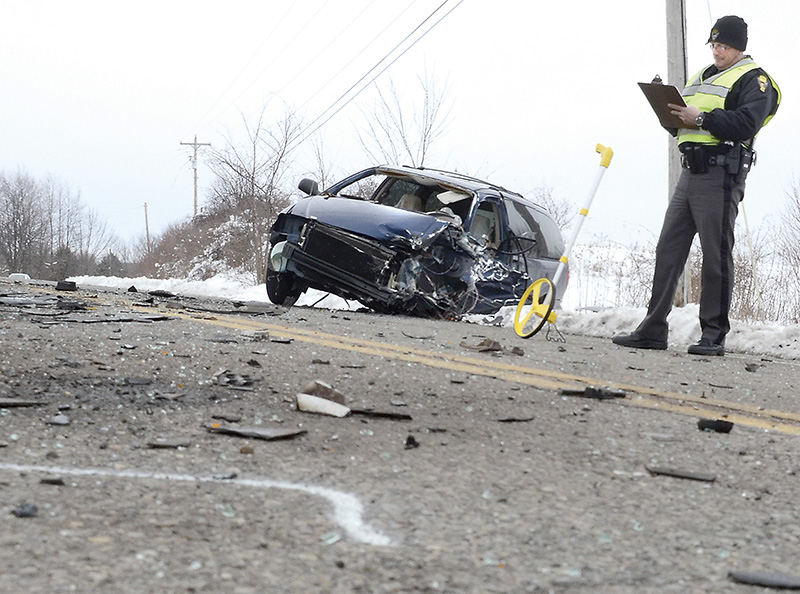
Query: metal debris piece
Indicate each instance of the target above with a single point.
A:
(320, 361)
(376, 414)
(161, 443)
(752, 367)
(281, 340)
(18, 403)
(515, 419)
(60, 419)
(685, 474)
(411, 442)
(594, 392)
(484, 346)
(353, 366)
(25, 510)
(161, 293)
(266, 433)
(323, 390)
(716, 425)
(253, 363)
(65, 285)
(768, 579)
(319, 405)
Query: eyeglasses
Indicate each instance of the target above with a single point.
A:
(719, 46)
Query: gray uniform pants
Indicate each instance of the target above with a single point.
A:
(707, 204)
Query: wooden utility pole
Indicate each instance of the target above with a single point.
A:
(676, 75)
(146, 229)
(195, 145)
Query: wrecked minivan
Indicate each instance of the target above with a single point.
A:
(414, 241)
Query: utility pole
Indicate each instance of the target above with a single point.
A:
(676, 75)
(195, 145)
(146, 228)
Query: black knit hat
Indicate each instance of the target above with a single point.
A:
(730, 30)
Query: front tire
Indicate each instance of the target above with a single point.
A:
(280, 288)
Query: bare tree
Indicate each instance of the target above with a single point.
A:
(248, 178)
(22, 227)
(562, 211)
(396, 132)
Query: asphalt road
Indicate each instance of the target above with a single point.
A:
(114, 476)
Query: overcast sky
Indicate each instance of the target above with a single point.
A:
(100, 94)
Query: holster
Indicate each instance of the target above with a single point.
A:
(696, 159)
(738, 162)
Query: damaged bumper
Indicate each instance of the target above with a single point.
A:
(427, 275)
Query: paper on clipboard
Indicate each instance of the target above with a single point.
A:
(659, 95)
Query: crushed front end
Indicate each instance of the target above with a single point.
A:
(426, 273)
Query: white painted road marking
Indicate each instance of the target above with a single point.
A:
(347, 509)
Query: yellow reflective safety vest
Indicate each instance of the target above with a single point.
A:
(710, 93)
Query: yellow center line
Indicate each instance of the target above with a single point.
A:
(539, 378)
(545, 379)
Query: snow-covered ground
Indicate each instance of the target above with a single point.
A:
(761, 339)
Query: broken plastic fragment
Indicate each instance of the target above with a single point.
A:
(323, 390)
(315, 404)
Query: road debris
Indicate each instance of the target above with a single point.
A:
(235, 381)
(60, 419)
(516, 419)
(56, 481)
(411, 442)
(594, 392)
(163, 443)
(25, 510)
(425, 337)
(684, 474)
(323, 390)
(65, 285)
(768, 579)
(717, 425)
(322, 406)
(487, 345)
(753, 367)
(376, 414)
(18, 403)
(255, 432)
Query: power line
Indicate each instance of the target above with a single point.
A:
(378, 63)
(305, 135)
(357, 54)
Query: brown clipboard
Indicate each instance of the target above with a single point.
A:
(659, 95)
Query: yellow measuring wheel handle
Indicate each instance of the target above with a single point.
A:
(542, 307)
(605, 155)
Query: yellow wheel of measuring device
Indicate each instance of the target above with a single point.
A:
(537, 300)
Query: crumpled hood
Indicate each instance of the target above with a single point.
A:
(383, 223)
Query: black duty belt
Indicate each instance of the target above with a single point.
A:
(711, 161)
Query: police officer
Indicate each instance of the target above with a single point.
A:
(727, 103)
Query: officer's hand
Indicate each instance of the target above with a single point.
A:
(686, 114)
